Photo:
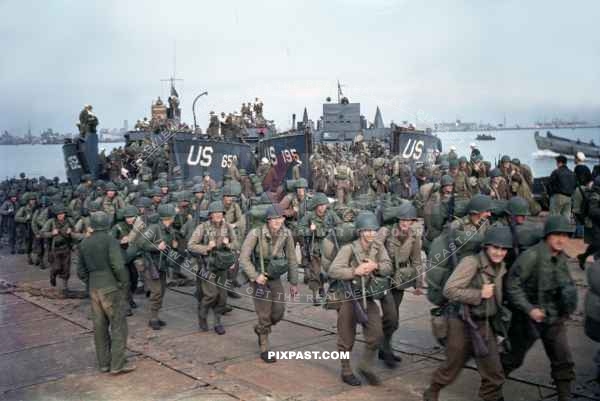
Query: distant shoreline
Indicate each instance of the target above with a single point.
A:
(50, 144)
(519, 128)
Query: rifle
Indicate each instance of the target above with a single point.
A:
(262, 260)
(480, 348)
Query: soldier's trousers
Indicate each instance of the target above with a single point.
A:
(40, 251)
(458, 351)
(61, 264)
(560, 205)
(342, 191)
(214, 294)
(314, 273)
(389, 307)
(23, 239)
(110, 328)
(346, 326)
(269, 304)
(157, 289)
(554, 338)
(133, 280)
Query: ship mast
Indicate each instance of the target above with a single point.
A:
(340, 94)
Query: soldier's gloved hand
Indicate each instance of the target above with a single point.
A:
(261, 279)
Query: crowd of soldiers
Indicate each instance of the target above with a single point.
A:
(370, 227)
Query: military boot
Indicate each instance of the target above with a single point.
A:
(29, 260)
(563, 388)
(219, 329)
(386, 353)
(315, 299)
(263, 343)
(348, 376)
(202, 313)
(154, 322)
(365, 366)
(432, 393)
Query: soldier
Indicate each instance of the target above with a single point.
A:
(23, 222)
(438, 206)
(272, 247)
(208, 183)
(77, 203)
(58, 232)
(101, 269)
(475, 290)
(498, 188)
(314, 227)
(215, 243)
(560, 188)
(344, 181)
(295, 204)
(123, 231)
(357, 262)
(542, 293)
(111, 202)
(403, 245)
(7, 211)
(479, 210)
(39, 218)
(589, 206)
(156, 242)
(525, 171)
(524, 233)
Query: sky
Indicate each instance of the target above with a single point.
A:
(418, 61)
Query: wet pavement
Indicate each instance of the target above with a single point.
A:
(47, 352)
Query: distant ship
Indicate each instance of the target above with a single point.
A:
(485, 137)
(566, 146)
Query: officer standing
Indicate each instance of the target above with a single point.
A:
(23, 221)
(156, 242)
(272, 247)
(214, 242)
(101, 269)
(475, 290)
(561, 186)
(403, 245)
(541, 290)
(358, 262)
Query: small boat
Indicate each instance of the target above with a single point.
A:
(485, 137)
(566, 146)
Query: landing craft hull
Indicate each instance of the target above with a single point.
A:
(415, 146)
(566, 146)
(291, 148)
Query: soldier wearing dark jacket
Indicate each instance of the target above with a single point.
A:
(543, 295)
(561, 187)
(592, 309)
(101, 269)
(7, 211)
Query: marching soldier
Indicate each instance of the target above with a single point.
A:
(314, 228)
(23, 220)
(475, 292)
(58, 232)
(156, 242)
(344, 181)
(542, 293)
(358, 262)
(123, 231)
(233, 215)
(403, 245)
(272, 248)
(40, 245)
(111, 202)
(101, 269)
(215, 242)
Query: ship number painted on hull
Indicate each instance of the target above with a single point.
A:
(204, 157)
(289, 155)
(73, 162)
(415, 151)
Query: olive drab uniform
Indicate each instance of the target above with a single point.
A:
(111, 205)
(315, 244)
(344, 182)
(156, 263)
(538, 279)
(213, 266)
(24, 231)
(342, 268)
(463, 290)
(404, 251)
(101, 269)
(40, 245)
(7, 210)
(59, 249)
(233, 215)
(267, 253)
(129, 250)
